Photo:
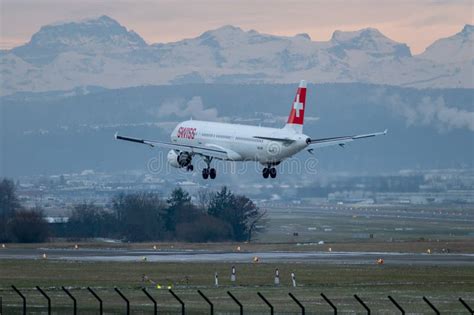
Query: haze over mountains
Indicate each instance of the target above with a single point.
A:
(58, 132)
(67, 91)
(101, 52)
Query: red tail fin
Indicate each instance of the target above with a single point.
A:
(296, 118)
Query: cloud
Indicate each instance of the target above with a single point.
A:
(428, 111)
(194, 108)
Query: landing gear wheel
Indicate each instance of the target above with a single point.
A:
(208, 172)
(212, 173)
(190, 168)
(273, 172)
(265, 172)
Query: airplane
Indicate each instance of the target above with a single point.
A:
(236, 142)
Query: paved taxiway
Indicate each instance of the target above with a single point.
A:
(124, 255)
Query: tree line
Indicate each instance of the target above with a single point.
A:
(137, 217)
(18, 224)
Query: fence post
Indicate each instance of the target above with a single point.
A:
(431, 305)
(266, 301)
(208, 301)
(362, 303)
(233, 275)
(72, 298)
(466, 306)
(330, 303)
(47, 298)
(101, 310)
(22, 297)
(179, 300)
(236, 301)
(155, 307)
(297, 302)
(396, 305)
(293, 279)
(125, 299)
(216, 279)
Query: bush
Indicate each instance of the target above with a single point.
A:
(204, 229)
(238, 211)
(28, 226)
(140, 216)
(8, 205)
(89, 220)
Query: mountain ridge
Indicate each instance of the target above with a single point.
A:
(102, 52)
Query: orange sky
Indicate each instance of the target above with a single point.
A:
(416, 22)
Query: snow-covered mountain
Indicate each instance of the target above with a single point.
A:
(101, 52)
(91, 36)
(455, 49)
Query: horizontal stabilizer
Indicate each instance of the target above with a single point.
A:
(341, 141)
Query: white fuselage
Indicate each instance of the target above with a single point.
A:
(240, 141)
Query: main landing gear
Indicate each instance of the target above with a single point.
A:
(269, 171)
(208, 172)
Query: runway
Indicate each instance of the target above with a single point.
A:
(317, 257)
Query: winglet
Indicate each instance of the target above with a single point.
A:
(385, 131)
(116, 135)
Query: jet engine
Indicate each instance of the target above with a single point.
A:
(184, 159)
(179, 159)
(173, 158)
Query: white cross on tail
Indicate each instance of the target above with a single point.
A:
(297, 105)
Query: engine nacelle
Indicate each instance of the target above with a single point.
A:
(173, 158)
(181, 159)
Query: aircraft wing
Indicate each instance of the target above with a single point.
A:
(341, 141)
(201, 150)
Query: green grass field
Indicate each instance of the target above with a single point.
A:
(346, 224)
(373, 283)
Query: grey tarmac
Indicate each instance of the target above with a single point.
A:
(189, 256)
